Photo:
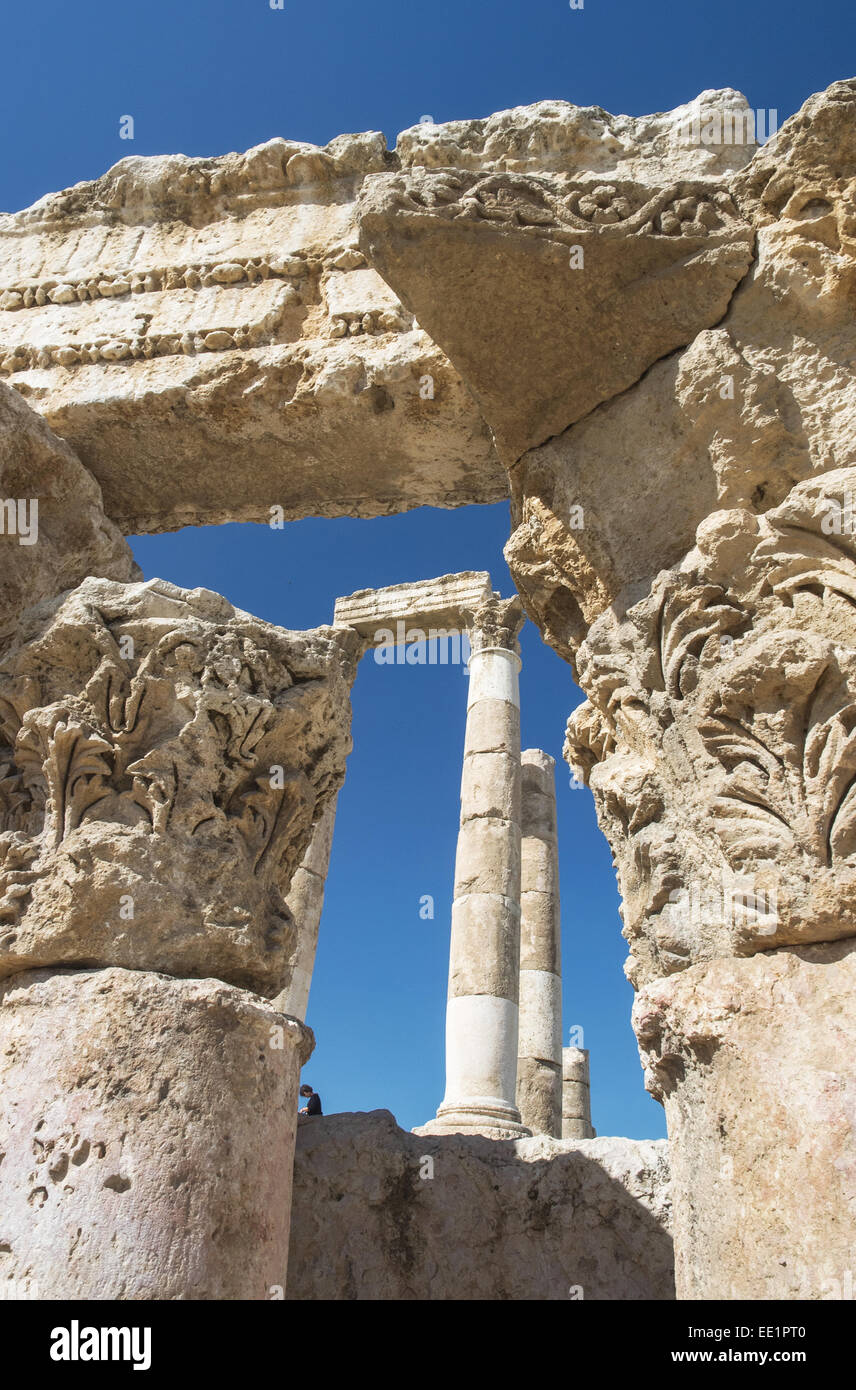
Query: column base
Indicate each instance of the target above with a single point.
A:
(492, 1120)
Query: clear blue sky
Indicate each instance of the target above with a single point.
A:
(204, 78)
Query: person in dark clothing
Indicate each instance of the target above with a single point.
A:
(313, 1104)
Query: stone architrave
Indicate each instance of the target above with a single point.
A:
(179, 309)
(482, 1014)
(162, 759)
(576, 1094)
(539, 1061)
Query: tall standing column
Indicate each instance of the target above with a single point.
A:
(539, 1061)
(484, 963)
(305, 902)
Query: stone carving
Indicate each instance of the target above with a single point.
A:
(165, 758)
(688, 547)
(749, 409)
(633, 265)
(660, 336)
(229, 295)
(719, 737)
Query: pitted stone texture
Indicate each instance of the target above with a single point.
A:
(718, 737)
(146, 1126)
(181, 307)
(752, 1061)
(558, 137)
(72, 537)
(598, 271)
(530, 1219)
(165, 757)
(752, 406)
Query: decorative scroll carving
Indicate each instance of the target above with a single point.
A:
(719, 736)
(162, 760)
(553, 207)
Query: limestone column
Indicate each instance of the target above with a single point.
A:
(306, 901)
(576, 1094)
(539, 1061)
(484, 962)
(161, 758)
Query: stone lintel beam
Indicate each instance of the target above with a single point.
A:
(383, 617)
(235, 287)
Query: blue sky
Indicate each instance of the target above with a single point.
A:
(205, 78)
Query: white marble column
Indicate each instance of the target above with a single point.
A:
(576, 1094)
(306, 901)
(539, 1061)
(484, 963)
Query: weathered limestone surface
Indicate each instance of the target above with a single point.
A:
(305, 902)
(539, 1051)
(576, 1094)
(71, 538)
(679, 433)
(718, 736)
(530, 1219)
(753, 1060)
(447, 603)
(754, 405)
(165, 758)
(600, 263)
(689, 546)
(177, 307)
(146, 1125)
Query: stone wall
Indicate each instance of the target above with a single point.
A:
(532, 1219)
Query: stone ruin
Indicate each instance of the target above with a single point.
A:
(642, 331)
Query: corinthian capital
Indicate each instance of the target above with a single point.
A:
(496, 623)
(719, 736)
(162, 759)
